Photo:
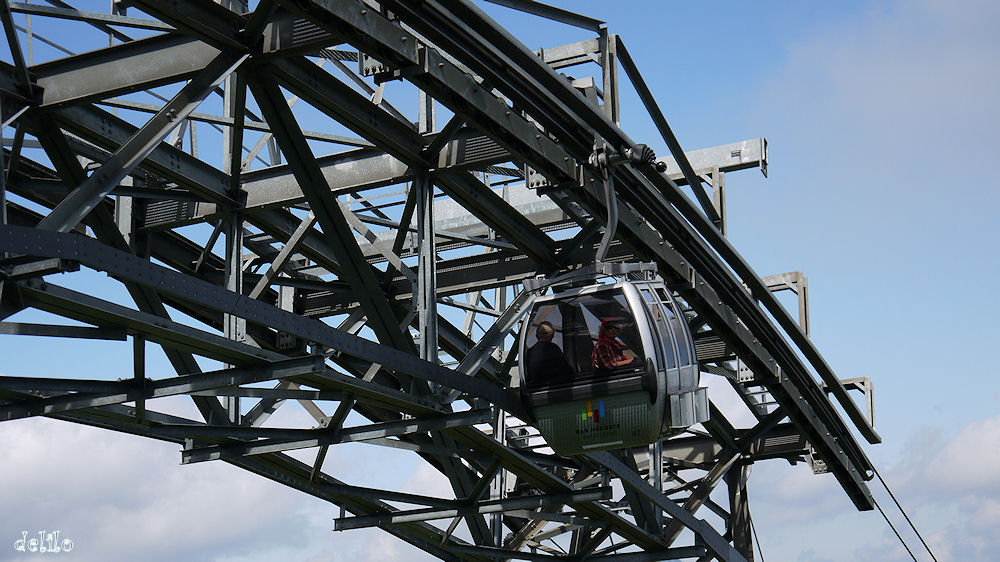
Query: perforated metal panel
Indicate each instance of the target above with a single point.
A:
(578, 427)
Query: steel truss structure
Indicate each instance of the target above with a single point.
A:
(374, 257)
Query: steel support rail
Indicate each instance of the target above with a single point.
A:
(128, 67)
(289, 472)
(556, 88)
(482, 507)
(330, 215)
(278, 440)
(91, 192)
(28, 241)
(713, 540)
(127, 391)
(594, 118)
(171, 335)
(89, 17)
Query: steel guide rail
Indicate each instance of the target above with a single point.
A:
(586, 116)
(31, 241)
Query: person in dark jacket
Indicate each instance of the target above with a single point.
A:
(545, 360)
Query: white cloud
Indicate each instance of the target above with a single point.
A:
(120, 496)
(812, 556)
(969, 463)
(113, 493)
(903, 71)
(794, 495)
(952, 493)
(886, 547)
(383, 547)
(948, 487)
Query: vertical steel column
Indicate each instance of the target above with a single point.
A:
(656, 477)
(497, 486)
(125, 208)
(500, 293)
(427, 268)
(139, 374)
(176, 138)
(426, 118)
(719, 197)
(273, 151)
(193, 137)
(609, 66)
(115, 9)
(3, 182)
(739, 509)
(500, 304)
(15, 49)
(128, 214)
(30, 39)
(803, 294)
(232, 155)
(470, 315)
(3, 197)
(235, 327)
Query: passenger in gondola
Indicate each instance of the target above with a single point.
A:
(546, 362)
(608, 353)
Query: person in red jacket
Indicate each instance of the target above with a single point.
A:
(608, 352)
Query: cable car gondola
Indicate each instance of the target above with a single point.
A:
(591, 388)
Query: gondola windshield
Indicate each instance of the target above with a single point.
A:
(563, 339)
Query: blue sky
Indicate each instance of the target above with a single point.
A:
(880, 118)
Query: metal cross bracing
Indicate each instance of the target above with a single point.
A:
(385, 176)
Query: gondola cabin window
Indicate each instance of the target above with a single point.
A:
(576, 329)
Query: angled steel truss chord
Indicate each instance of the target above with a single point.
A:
(126, 391)
(32, 241)
(277, 440)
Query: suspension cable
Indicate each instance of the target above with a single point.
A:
(893, 527)
(901, 510)
(756, 537)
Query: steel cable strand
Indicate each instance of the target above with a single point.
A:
(893, 527)
(901, 510)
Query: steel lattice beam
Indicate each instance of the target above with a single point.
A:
(330, 228)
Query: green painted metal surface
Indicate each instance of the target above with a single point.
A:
(600, 423)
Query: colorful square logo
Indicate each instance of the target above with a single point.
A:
(592, 413)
